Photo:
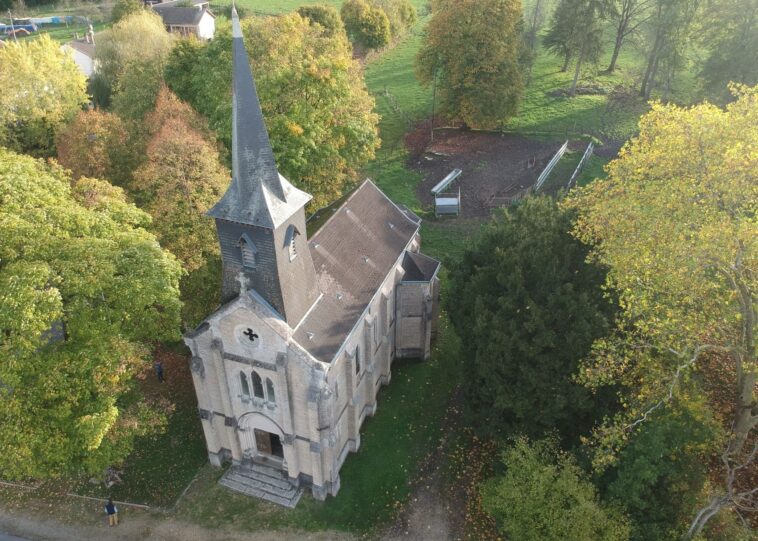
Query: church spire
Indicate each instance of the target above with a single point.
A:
(258, 194)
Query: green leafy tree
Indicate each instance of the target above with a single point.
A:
(97, 144)
(731, 36)
(661, 473)
(83, 288)
(400, 13)
(472, 52)
(124, 8)
(528, 308)
(134, 49)
(668, 31)
(327, 16)
(366, 25)
(675, 223)
(627, 16)
(575, 32)
(40, 89)
(318, 112)
(545, 495)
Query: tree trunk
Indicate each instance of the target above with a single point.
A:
(703, 516)
(579, 60)
(616, 51)
(652, 63)
(566, 62)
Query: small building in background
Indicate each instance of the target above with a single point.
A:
(196, 20)
(83, 52)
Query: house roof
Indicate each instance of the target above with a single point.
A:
(258, 194)
(181, 16)
(83, 47)
(353, 253)
(419, 267)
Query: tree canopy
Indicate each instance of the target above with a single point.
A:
(130, 59)
(83, 288)
(366, 24)
(675, 223)
(528, 307)
(327, 16)
(471, 51)
(545, 495)
(41, 89)
(318, 112)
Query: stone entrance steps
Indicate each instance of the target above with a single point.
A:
(262, 482)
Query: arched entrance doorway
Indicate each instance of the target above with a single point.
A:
(261, 439)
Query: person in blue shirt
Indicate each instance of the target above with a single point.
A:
(112, 511)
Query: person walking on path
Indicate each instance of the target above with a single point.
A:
(112, 511)
(159, 370)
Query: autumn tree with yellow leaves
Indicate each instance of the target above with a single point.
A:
(472, 52)
(675, 222)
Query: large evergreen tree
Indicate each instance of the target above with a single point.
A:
(528, 307)
(83, 289)
(472, 52)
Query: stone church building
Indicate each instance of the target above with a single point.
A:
(288, 368)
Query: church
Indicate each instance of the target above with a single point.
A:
(290, 365)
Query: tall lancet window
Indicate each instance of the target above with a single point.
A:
(249, 252)
(244, 385)
(270, 391)
(289, 241)
(257, 386)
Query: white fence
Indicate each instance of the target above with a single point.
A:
(549, 167)
(582, 162)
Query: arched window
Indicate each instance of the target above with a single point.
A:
(270, 391)
(248, 251)
(244, 385)
(289, 241)
(257, 386)
(357, 360)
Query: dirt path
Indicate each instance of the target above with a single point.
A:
(142, 526)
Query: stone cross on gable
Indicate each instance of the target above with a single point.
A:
(244, 282)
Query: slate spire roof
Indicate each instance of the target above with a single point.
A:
(258, 194)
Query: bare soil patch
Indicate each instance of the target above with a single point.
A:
(495, 166)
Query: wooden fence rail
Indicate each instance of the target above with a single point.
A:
(582, 162)
(549, 167)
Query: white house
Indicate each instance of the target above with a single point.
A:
(195, 20)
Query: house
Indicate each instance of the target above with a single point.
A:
(185, 20)
(289, 367)
(83, 53)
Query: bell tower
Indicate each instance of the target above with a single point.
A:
(260, 220)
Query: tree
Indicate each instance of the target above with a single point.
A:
(327, 16)
(528, 309)
(472, 50)
(97, 144)
(675, 223)
(41, 89)
(661, 473)
(731, 39)
(669, 26)
(124, 8)
(365, 24)
(545, 495)
(137, 88)
(135, 47)
(400, 13)
(83, 288)
(575, 32)
(180, 180)
(627, 16)
(318, 112)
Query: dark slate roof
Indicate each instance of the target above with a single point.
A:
(258, 194)
(353, 253)
(83, 47)
(180, 16)
(419, 268)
